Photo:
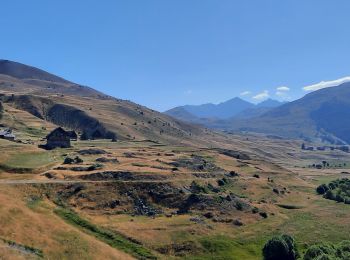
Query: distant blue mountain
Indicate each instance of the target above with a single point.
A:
(269, 103)
(225, 110)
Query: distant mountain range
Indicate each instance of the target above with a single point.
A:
(322, 115)
(225, 110)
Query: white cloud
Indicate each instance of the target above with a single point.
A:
(282, 88)
(261, 96)
(326, 84)
(245, 93)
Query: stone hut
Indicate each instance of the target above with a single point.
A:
(73, 135)
(58, 138)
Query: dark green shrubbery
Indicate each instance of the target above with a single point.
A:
(321, 251)
(197, 188)
(69, 160)
(322, 189)
(280, 247)
(338, 190)
(222, 182)
(284, 248)
(328, 251)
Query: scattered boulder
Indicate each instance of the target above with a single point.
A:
(92, 151)
(237, 222)
(233, 154)
(107, 160)
(263, 214)
(208, 215)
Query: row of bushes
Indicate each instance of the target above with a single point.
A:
(284, 247)
(338, 190)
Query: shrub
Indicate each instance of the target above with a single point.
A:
(280, 247)
(322, 189)
(77, 159)
(338, 190)
(239, 205)
(321, 251)
(263, 214)
(255, 210)
(329, 195)
(95, 167)
(275, 190)
(339, 198)
(233, 174)
(68, 160)
(197, 188)
(222, 182)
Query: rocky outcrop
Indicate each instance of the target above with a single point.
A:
(77, 119)
(61, 114)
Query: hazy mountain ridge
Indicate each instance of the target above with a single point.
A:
(322, 115)
(222, 111)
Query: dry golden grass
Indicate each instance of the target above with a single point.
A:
(38, 227)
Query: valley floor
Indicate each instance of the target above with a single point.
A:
(127, 200)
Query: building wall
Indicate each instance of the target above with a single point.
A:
(58, 143)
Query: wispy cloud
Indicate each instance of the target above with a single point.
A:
(326, 84)
(261, 96)
(245, 93)
(282, 89)
(282, 92)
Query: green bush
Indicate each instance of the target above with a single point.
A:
(325, 251)
(77, 159)
(322, 189)
(280, 247)
(329, 195)
(197, 188)
(68, 160)
(321, 251)
(338, 190)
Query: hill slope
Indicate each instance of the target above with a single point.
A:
(51, 98)
(321, 115)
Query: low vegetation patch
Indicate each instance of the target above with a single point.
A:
(280, 247)
(27, 162)
(338, 190)
(285, 247)
(328, 251)
(111, 238)
(24, 248)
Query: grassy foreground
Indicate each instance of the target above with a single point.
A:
(111, 238)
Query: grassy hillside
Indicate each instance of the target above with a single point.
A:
(164, 190)
(60, 102)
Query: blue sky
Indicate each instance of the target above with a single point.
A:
(167, 53)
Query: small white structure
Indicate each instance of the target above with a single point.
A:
(7, 134)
